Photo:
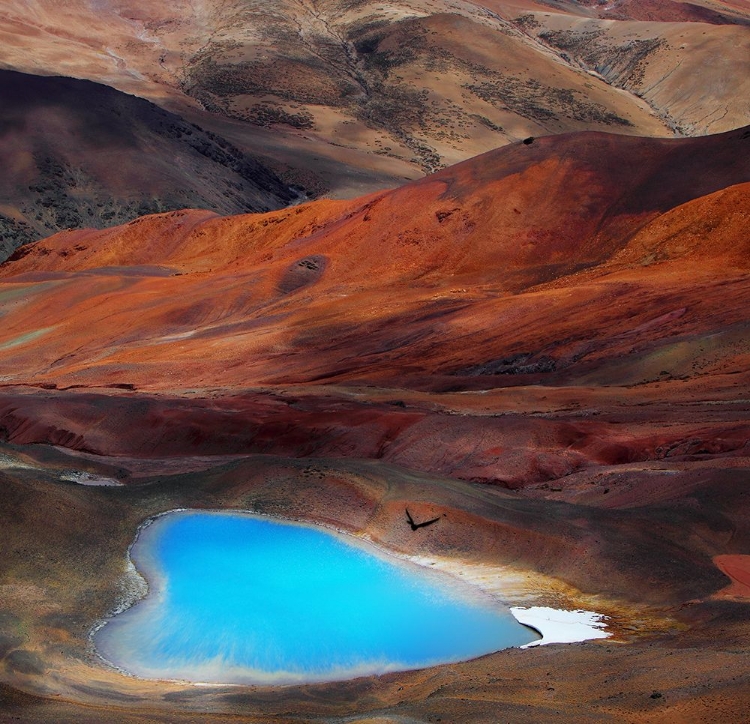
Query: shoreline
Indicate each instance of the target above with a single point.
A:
(502, 586)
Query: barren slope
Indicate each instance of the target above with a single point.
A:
(347, 97)
(546, 346)
(535, 264)
(662, 63)
(385, 287)
(716, 12)
(82, 154)
(418, 84)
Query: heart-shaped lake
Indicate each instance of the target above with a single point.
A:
(237, 598)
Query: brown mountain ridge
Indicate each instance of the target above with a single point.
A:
(363, 94)
(82, 154)
(546, 346)
(311, 290)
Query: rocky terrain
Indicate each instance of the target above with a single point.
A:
(518, 304)
(546, 346)
(355, 291)
(354, 96)
(78, 154)
(659, 59)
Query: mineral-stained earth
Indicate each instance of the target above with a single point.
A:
(337, 97)
(546, 346)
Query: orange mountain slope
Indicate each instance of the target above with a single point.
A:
(586, 256)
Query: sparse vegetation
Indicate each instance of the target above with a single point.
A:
(622, 65)
(539, 102)
(302, 81)
(206, 171)
(487, 122)
(527, 22)
(13, 233)
(267, 115)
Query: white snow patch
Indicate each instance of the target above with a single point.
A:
(83, 478)
(561, 627)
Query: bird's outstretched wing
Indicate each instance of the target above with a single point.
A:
(414, 525)
(427, 522)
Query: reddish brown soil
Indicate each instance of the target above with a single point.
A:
(521, 265)
(668, 11)
(547, 347)
(738, 569)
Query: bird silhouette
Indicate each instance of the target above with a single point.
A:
(424, 524)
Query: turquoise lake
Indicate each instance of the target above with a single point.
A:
(238, 598)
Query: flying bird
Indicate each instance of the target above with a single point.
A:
(414, 525)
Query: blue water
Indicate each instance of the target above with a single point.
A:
(236, 598)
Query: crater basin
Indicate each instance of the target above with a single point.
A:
(239, 598)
